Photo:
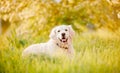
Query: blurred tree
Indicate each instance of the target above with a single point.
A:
(34, 16)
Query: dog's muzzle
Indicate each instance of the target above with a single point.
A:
(63, 38)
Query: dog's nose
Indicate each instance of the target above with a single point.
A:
(63, 34)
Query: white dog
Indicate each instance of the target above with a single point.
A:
(60, 43)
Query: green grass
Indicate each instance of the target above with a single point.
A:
(93, 55)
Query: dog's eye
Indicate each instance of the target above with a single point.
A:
(58, 30)
(66, 30)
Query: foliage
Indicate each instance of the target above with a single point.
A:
(42, 14)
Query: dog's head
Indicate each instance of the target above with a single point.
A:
(62, 33)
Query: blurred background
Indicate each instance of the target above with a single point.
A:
(32, 17)
(25, 20)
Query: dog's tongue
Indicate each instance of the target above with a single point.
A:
(63, 40)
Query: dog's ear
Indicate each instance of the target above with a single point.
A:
(71, 31)
(53, 34)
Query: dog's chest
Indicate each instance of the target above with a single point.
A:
(57, 51)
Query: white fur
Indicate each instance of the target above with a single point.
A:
(50, 48)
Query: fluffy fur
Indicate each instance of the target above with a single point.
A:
(60, 43)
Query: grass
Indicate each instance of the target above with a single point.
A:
(93, 55)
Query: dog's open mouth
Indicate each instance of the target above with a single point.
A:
(63, 40)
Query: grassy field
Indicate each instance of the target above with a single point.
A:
(93, 55)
